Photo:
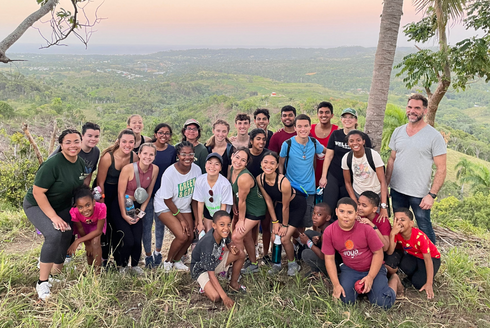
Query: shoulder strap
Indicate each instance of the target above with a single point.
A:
(314, 142)
(369, 156)
(229, 146)
(349, 164)
(288, 143)
(279, 186)
(131, 157)
(136, 175)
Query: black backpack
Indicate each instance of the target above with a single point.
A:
(288, 142)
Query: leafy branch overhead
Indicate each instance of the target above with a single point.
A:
(459, 64)
(63, 23)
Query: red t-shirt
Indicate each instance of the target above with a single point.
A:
(383, 227)
(356, 246)
(418, 244)
(278, 138)
(324, 142)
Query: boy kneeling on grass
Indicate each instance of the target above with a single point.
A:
(421, 259)
(213, 255)
(362, 254)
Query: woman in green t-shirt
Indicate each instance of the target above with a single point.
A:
(48, 202)
(249, 205)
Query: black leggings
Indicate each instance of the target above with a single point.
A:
(127, 238)
(334, 190)
(107, 239)
(414, 268)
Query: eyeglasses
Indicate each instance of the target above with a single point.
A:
(191, 129)
(211, 194)
(166, 134)
(187, 155)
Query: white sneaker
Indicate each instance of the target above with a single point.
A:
(167, 266)
(293, 269)
(43, 290)
(181, 266)
(53, 281)
(124, 270)
(137, 271)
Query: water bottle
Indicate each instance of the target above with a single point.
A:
(130, 210)
(97, 193)
(319, 195)
(276, 250)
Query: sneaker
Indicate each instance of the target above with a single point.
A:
(43, 290)
(293, 268)
(124, 270)
(137, 271)
(149, 262)
(157, 258)
(180, 266)
(275, 269)
(201, 291)
(53, 280)
(266, 260)
(298, 250)
(167, 266)
(252, 268)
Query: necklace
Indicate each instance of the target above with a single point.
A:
(305, 147)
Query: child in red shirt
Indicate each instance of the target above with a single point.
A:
(421, 259)
(362, 254)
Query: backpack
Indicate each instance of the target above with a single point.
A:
(369, 157)
(229, 148)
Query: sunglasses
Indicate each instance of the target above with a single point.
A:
(211, 196)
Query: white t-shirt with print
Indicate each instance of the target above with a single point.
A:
(177, 186)
(222, 193)
(363, 175)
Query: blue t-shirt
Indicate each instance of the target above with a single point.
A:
(163, 159)
(300, 171)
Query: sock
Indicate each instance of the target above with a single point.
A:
(41, 281)
(255, 263)
(156, 252)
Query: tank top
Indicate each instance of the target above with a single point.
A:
(145, 180)
(112, 173)
(273, 191)
(255, 201)
(137, 149)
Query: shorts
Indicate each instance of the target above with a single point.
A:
(206, 214)
(222, 267)
(393, 260)
(254, 218)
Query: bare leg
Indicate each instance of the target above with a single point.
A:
(96, 251)
(245, 240)
(44, 270)
(237, 261)
(266, 233)
(395, 283)
(288, 245)
(180, 237)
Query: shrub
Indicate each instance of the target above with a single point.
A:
(474, 209)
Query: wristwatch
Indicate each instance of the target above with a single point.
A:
(432, 195)
(375, 227)
(383, 205)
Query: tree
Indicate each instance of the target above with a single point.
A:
(479, 178)
(394, 117)
(463, 167)
(466, 60)
(383, 64)
(63, 23)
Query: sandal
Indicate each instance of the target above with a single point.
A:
(241, 290)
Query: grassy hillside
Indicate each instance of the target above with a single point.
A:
(453, 157)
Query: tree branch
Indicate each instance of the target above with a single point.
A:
(32, 142)
(6, 43)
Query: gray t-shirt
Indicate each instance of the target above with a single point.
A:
(90, 159)
(412, 169)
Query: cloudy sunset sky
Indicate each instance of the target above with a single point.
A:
(220, 23)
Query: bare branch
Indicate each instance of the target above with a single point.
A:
(33, 143)
(6, 43)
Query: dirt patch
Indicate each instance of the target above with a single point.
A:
(23, 242)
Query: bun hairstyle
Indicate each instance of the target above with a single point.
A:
(115, 146)
(247, 151)
(66, 132)
(81, 192)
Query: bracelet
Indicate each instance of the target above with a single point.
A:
(274, 222)
(285, 226)
(178, 211)
(309, 243)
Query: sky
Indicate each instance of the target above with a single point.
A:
(223, 23)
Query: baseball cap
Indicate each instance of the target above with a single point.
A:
(192, 121)
(351, 111)
(216, 155)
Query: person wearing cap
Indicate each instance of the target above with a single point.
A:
(192, 132)
(332, 178)
(212, 192)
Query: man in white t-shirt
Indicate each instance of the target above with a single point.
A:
(414, 147)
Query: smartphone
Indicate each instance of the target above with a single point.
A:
(69, 228)
(140, 213)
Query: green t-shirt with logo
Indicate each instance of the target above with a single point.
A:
(60, 177)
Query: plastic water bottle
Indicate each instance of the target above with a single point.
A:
(276, 250)
(319, 195)
(130, 210)
(97, 193)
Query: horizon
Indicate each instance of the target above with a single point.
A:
(218, 24)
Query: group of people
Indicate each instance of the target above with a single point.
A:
(223, 192)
